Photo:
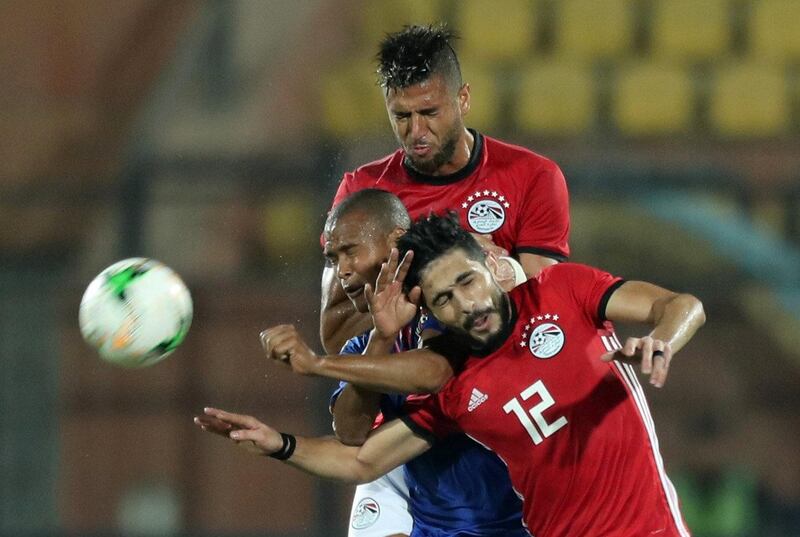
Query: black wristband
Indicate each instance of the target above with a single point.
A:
(287, 450)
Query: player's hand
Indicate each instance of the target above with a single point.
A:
(392, 309)
(245, 431)
(283, 344)
(488, 245)
(653, 355)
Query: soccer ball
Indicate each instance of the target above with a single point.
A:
(135, 312)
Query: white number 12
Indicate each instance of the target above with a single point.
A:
(544, 429)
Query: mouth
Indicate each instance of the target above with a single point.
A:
(353, 292)
(420, 150)
(480, 323)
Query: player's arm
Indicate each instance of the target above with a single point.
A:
(542, 239)
(675, 318)
(355, 409)
(417, 371)
(387, 447)
(533, 263)
(339, 320)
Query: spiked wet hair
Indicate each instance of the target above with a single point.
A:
(414, 54)
(431, 237)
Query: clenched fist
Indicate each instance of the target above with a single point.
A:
(283, 344)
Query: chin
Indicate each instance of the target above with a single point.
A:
(360, 304)
(484, 337)
(424, 166)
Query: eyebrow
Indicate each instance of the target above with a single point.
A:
(327, 252)
(460, 278)
(464, 275)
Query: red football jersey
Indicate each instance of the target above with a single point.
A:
(575, 432)
(517, 196)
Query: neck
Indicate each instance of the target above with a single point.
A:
(461, 155)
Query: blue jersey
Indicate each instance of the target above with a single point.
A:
(458, 487)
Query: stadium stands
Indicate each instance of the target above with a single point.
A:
(688, 30)
(750, 100)
(716, 68)
(653, 99)
(773, 28)
(351, 101)
(591, 29)
(380, 17)
(498, 31)
(556, 98)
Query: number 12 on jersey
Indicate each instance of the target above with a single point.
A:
(538, 428)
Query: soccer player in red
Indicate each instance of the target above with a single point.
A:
(542, 381)
(508, 192)
(498, 189)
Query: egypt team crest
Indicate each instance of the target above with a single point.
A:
(366, 514)
(543, 336)
(486, 210)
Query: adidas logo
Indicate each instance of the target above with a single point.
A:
(476, 399)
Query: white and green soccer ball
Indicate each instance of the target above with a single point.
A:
(135, 312)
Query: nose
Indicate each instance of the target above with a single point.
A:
(419, 127)
(465, 303)
(343, 270)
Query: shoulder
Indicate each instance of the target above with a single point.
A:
(370, 173)
(356, 344)
(565, 273)
(501, 151)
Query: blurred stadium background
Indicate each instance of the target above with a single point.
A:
(212, 134)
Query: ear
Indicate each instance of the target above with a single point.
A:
(395, 234)
(464, 99)
(493, 264)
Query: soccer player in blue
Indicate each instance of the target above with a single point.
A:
(458, 488)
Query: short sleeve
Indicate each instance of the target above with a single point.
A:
(345, 189)
(423, 414)
(589, 287)
(355, 345)
(543, 226)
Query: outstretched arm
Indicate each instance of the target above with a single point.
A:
(417, 371)
(387, 447)
(675, 319)
(355, 409)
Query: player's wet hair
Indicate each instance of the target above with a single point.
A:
(431, 237)
(414, 54)
(383, 208)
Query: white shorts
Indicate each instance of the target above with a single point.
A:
(380, 508)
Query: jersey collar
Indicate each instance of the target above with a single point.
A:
(466, 171)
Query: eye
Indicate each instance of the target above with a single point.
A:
(442, 301)
(467, 282)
